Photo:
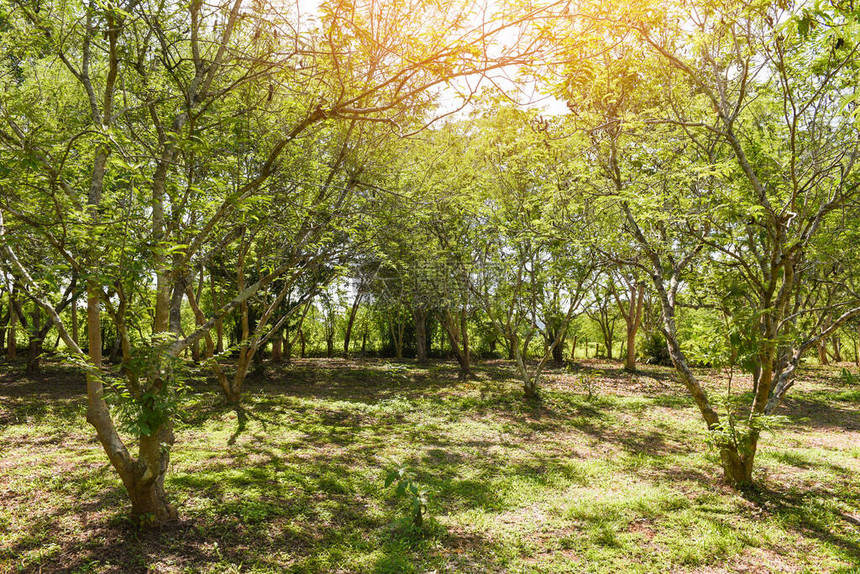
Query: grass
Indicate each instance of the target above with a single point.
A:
(621, 482)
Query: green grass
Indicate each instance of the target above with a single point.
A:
(622, 482)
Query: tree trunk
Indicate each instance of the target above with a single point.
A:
(75, 328)
(257, 357)
(420, 318)
(114, 351)
(234, 392)
(529, 383)
(143, 479)
(4, 320)
(573, 348)
(558, 352)
(630, 360)
(350, 322)
(301, 343)
(288, 349)
(219, 336)
(738, 463)
(857, 348)
(149, 502)
(12, 343)
(277, 341)
(219, 322)
(34, 345)
(397, 336)
(822, 352)
(174, 324)
(196, 353)
(450, 325)
(632, 314)
(464, 332)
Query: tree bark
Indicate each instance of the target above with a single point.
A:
(216, 304)
(450, 324)
(234, 392)
(630, 359)
(558, 351)
(144, 478)
(633, 320)
(737, 461)
(420, 318)
(4, 320)
(149, 502)
(822, 352)
(529, 382)
(288, 349)
(464, 331)
(75, 328)
(857, 348)
(12, 343)
(34, 345)
(396, 327)
(277, 341)
(351, 321)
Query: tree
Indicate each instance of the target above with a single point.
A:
(528, 281)
(750, 158)
(631, 312)
(144, 127)
(794, 151)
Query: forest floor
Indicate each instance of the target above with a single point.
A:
(621, 481)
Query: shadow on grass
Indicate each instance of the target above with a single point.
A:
(820, 411)
(811, 513)
(313, 500)
(99, 536)
(274, 517)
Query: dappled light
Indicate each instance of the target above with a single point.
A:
(429, 286)
(613, 480)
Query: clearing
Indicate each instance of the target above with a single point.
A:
(620, 481)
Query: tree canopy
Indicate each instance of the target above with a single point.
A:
(205, 181)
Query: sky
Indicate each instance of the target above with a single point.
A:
(527, 94)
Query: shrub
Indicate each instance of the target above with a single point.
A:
(848, 377)
(653, 349)
(407, 487)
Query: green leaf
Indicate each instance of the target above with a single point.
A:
(389, 480)
(803, 26)
(401, 488)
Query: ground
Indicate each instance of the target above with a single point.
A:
(618, 481)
